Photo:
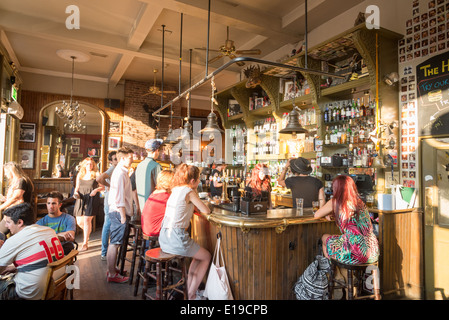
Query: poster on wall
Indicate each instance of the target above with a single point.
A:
(433, 95)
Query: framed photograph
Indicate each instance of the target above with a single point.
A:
(289, 90)
(27, 132)
(93, 152)
(115, 126)
(75, 149)
(26, 159)
(114, 143)
(75, 141)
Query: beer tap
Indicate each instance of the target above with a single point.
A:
(224, 193)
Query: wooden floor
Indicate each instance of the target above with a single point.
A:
(93, 284)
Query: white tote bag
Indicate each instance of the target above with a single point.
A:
(217, 284)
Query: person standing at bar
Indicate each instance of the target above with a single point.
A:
(357, 244)
(120, 201)
(259, 184)
(104, 179)
(147, 171)
(216, 185)
(301, 184)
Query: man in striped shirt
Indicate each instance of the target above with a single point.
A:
(26, 253)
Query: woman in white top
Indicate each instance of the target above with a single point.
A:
(173, 237)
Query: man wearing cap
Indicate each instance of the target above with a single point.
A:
(147, 171)
(301, 184)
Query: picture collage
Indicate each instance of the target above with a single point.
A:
(427, 32)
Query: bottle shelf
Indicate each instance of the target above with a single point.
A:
(235, 117)
(263, 111)
(331, 123)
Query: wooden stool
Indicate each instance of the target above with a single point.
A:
(163, 274)
(359, 270)
(130, 243)
(152, 242)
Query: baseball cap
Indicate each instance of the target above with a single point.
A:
(153, 144)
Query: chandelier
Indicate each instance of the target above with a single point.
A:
(71, 111)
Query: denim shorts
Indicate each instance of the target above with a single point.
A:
(177, 241)
(117, 227)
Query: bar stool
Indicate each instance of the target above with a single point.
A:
(163, 274)
(140, 275)
(130, 243)
(358, 270)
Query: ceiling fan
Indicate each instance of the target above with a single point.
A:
(228, 50)
(156, 90)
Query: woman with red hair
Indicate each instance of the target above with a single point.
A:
(357, 244)
(260, 182)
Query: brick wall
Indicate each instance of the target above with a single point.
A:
(136, 120)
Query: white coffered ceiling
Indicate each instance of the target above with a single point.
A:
(124, 39)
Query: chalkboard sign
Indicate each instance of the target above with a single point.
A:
(433, 95)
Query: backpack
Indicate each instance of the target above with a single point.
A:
(313, 283)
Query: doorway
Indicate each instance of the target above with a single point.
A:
(435, 184)
(61, 149)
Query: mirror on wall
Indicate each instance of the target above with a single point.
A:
(63, 149)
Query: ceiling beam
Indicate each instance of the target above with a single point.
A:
(84, 38)
(240, 17)
(145, 21)
(299, 12)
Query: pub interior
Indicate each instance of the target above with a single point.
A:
(310, 91)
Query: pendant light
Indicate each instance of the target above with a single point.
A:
(293, 126)
(171, 139)
(212, 127)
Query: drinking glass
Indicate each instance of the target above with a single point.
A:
(315, 206)
(370, 201)
(299, 206)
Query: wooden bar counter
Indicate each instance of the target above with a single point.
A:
(264, 254)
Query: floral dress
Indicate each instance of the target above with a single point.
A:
(357, 244)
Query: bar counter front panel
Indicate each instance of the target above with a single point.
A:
(265, 254)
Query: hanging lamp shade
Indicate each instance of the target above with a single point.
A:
(293, 126)
(171, 139)
(212, 124)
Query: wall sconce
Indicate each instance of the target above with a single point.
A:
(391, 78)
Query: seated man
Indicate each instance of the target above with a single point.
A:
(27, 252)
(63, 223)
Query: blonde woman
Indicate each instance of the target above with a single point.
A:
(20, 189)
(87, 195)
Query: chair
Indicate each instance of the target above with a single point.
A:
(163, 274)
(358, 270)
(40, 201)
(55, 287)
(130, 243)
(140, 275)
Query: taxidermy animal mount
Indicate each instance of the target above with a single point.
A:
(254, 76)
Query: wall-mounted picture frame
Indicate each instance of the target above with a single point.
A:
(26, 158)
(114, 143)
(76, 141)
(289, 90)
(75, 149)
(93, 152)
(27, 132)
(115, 126)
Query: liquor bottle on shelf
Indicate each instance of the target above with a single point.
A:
(326, 114)
(326, 137)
